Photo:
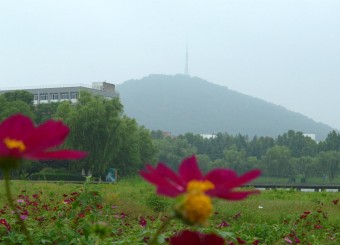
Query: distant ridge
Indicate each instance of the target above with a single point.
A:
(180, 104)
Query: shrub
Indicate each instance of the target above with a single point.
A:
(57, 176)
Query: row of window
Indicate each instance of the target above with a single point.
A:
(63, 96)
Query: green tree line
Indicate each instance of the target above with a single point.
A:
(114, 140)
(290, 155)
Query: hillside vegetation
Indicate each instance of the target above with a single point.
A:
(181, 104)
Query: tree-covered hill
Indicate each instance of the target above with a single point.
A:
(181, 104)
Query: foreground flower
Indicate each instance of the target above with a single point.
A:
(4, 222)
(195, 188)
(195, 238)
(21, 139)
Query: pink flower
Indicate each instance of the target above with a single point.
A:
(23, 217)
(196, 189)
(81, 215)
(317, 227)
(287, 240)
(240, 241)
(222, 181)
(21, 139)
(223, 224)
(297, 240)
(4, 222)
(142, 222)
(187, 237)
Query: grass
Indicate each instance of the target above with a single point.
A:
(268, 217)
(310, 180)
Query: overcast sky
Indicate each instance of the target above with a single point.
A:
(283, 51)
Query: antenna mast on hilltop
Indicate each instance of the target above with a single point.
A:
(186, 71)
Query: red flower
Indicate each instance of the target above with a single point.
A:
(256, 242)
(240, 241)
(221, 181)
(20, 138)
(195, 238)
(335, 202)
(4, 222)
(195, 206)
(223, 224)
(142, 222)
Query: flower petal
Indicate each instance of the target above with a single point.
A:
(230, 195)
(47, 135)
(220, 176)
(167, 182)
(247, 177)
(189, 170)
(186, 238)
(17, 127)
(214, 239)
(165, 171)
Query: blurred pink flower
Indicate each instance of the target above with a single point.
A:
(223, 181)
(187, 237)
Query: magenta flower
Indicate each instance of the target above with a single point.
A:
(21, 139)
(196, 188)
(287, 240)
(5, 223)
(142, 222)
(223, 224)
(219, 182)
(23, 217)
(240, 241)
(187, 237)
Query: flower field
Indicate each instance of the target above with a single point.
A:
(129, 212)
(189, 207)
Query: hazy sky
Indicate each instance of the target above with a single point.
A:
(283, 51)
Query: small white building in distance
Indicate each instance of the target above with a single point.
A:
(312, 136)
(208, 136)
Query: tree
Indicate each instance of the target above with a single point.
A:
(21, 95)
(8, 108)
(259, 146)
(46, 111)
(277, 162)
(332, 142)
(299, 144)
(172, 150)
(235, 159)
(112, 140)
(329, 163)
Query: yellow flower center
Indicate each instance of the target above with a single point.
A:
(14, 144)
(196, 186)
(196, 206)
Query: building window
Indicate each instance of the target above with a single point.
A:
(43, 96)
(74, 95)
(36, 97)
(54, 96)
(64, 96)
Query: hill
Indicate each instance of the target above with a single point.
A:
(180, 104)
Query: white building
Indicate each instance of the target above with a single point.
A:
(68, 92)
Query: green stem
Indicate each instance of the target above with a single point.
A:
(10, 202)
(153, 241)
